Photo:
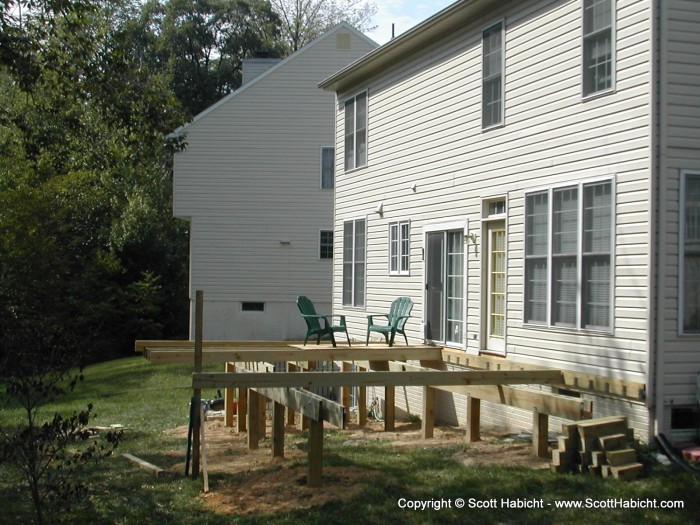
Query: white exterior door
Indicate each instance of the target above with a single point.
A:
(495, 288)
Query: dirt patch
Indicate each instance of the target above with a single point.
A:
(257, 484)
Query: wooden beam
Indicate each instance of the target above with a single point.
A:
(389, 408)
(275, 354)
(555, 405)
(140, 346)
(391, 378)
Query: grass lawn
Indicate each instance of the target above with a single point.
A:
(150, 399)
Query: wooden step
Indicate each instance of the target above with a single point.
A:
(621, 457)
(627, 472)
(613, 441)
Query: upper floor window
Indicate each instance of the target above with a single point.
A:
(354, 236)
(568, 256)
(356, 131)
(690, 253)
(399, 248)
(492, 76)
(327, 168)
(598, 45)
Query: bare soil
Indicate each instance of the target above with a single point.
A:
(257, 484)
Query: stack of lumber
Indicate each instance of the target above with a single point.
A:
(601, 447)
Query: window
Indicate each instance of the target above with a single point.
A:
(356, 131)
(598, 46)
(399, 248)
(568, 256)
(690, 249)
(327, 168)
(354, 262)
(326, 245)
(492, 76)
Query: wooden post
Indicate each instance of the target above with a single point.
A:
(253, 420)
(262, 417)
(315, 478)
(290, 413)
(540, 434)
(197, 398)
(473, 419)
(345, 392)
(229, 398)
(205, 471)
(277, 430)
(242, 417)
(389, 408)
(362, 406)
(428, 416)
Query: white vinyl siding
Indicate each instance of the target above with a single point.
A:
(354, 253)
(249, 177)
(399, 248)
(492, 44)
(327, 168)
(569, 280)
(356, 131)
(598, 45)
(690, 253)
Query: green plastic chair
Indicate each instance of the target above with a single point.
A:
(314, 326)
(398, 314)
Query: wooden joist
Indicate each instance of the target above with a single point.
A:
(572, 380)
(554, 405)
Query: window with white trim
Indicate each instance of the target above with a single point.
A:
(356, 131)
(327, 168)
(399, 248)
(326, 244)
(354, 249)
(568, 256)
(690, 253)
(598, 45)
(492, 76)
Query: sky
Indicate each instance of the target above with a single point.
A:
(404, 14)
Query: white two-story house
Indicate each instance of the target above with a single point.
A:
(255, 182)
(528, 172)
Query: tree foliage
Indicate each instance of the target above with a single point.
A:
(305, 20)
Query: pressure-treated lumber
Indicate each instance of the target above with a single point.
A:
(554, 405)
(145, 465)
(428, 414)
(315, 477)
(212, 354)
(336, 379)
(277, 430)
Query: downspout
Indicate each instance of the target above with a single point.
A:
(654, 369)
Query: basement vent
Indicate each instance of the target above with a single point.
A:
(685, 418)
(252, 307)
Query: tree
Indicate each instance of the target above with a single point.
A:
(203, 43)
(305, 20)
